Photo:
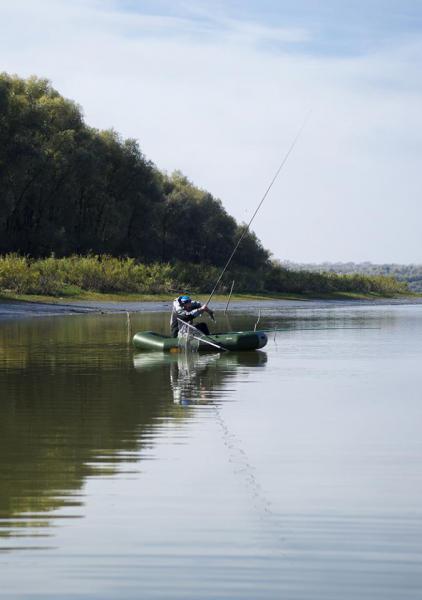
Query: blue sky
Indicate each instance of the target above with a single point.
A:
(336, 26)
(219, 90)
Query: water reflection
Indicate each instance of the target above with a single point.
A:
(76, 404)
(176, 477)
(193, 376)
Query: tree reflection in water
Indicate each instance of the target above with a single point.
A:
(74, 407)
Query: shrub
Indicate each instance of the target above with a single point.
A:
(103, 273)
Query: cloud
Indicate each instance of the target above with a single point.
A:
(222, 99)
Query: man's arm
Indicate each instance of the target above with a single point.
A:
(189, 315)
(196, 310)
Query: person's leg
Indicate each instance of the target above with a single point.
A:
(174, 331)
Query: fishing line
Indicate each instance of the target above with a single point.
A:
(283, 162)
(269, 535)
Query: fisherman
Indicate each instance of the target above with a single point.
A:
(186, 309)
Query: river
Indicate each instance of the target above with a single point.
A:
(293, 472)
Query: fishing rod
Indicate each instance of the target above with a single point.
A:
(283, 162)
(294, 329)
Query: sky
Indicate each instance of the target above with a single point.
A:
(219, 89)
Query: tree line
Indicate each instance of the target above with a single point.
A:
(70, 190)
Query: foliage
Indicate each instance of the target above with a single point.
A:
(103, 273)
(410, 274)
(70, 189)
(53, 276)
(286, 280)
(16, 276)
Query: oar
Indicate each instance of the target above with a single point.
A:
(204, 338)
(211, 343)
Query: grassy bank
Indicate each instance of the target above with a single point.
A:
(121, 279)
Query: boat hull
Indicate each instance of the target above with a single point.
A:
(232, 340)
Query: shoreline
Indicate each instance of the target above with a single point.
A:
(237, 297)
(18, 307)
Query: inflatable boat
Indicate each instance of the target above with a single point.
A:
(231, 340)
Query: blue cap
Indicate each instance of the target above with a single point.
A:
(184, 299)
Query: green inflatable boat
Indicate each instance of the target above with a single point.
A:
(231, 340)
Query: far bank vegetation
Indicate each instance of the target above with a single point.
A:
(410, 274)
(107, 274)
(83, 209)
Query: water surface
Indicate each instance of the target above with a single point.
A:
(294, 472)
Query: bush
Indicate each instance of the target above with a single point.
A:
(48, 278)
(103, 273)
(16, 275)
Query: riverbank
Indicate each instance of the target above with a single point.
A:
(14, 306)
(90, 296)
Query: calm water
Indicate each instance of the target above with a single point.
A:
(292, 473)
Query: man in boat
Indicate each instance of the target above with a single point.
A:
(186, 309)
